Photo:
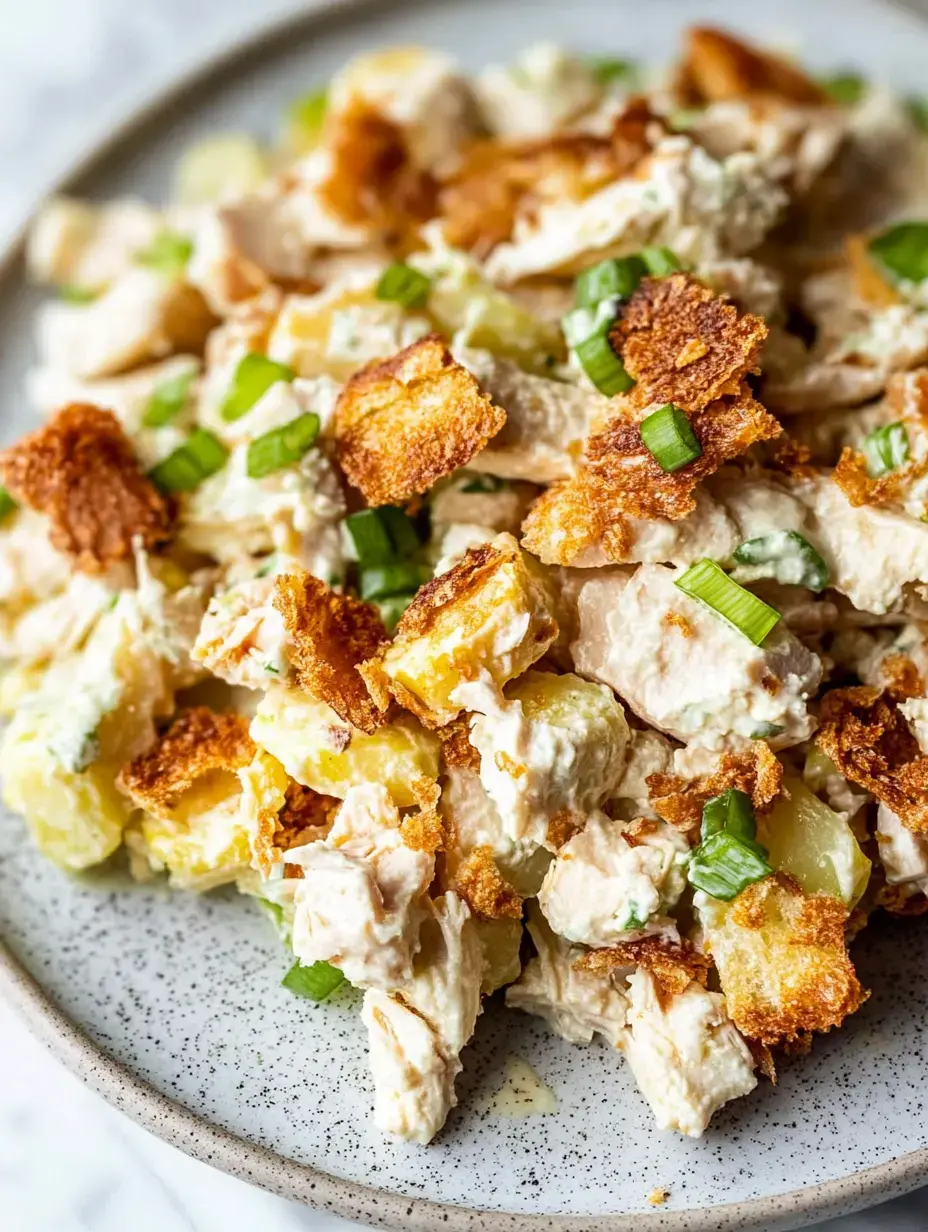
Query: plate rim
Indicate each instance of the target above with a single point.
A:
(209, 1143)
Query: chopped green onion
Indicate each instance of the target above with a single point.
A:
(168, 399)
(392, 608)
(732, 812)
(316, 981)
(723, 865)
(602, 365)
(200, 456)
(281, 446)
(168, 253)
(7, 504)
(707, 582)
(767, 731)
(669, 438)
(633, 921)
(902, 250)
(617, 279)
(886, 449)
(381, 581)
(308, 112)
(274, 910)
(661, 261)
(253, 377)
(784, 555)
(485, 484)
(382, 536)
(73, 294)
(607, 71)
(917, 108)
(401, 284)
(845, 88)
(684, 118)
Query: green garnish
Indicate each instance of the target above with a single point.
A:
(728, 858)
(618, 278)
(708, 582)
(633, 921)
(200, 456)
(316, 982)
(281, 446)
(383, 581)
(784, 555)
(767, 731)
(74, 294)
(7, 504)
(845, 88)
(168, 253)
(168, 399)
(917, 108)
(401, 284)
(731, 811)
(253, 377)
(308, 112)
(485, 484)
(382, 536)
(608, 71)
(392, 608)
(601, 364)
(885, 449)
(661, 261)
(668, 436)
(902, 251)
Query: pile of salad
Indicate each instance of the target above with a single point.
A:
(489, 526)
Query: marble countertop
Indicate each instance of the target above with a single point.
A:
(68, 1162)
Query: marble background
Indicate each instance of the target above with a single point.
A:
(69, 69)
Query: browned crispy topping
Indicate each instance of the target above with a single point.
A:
(717, 66)
(199, 742)
(403, 423)
(763, 1060)
(678, 621)
(304, 816)
(898, 900)
(907, 399)
(330, 635)
(870, 283)
(562, 827)
(80, 470)
(374, 180)
(424, 830)
(456, 748)
(482, 886)
(680, 801)
(499, 180)
(902, 676)
(865, 734)
(673, 964)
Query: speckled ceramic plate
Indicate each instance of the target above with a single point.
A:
(170, 1006)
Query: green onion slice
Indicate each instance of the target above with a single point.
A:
(784, 555)
(382, 536)
(253, 377)
(308, 112)
(316, 981)
(886, 449)
(200, 456)
(767, 731)
(668, 436)
(902, 251)
(661, 261)
(168, 253)
(485, 484)
(168, 399)
(732, 812)
(723, 865)
(602, 365)
(401, 284)
(611, 70)
(392, 608)
(382, 581)
(917, 107)
(708, 582)
(608, 280)
(74, 294)
(281, 446)
(7, 504)
(845, 88)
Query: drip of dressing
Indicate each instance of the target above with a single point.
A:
(522, 1093)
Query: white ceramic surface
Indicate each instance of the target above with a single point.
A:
(185, 992)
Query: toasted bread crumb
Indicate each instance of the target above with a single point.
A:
(680, 801)
(673, 964)
(657, 1197)
(482, 886)
(716, 66)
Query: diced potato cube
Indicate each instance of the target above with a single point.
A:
(500, 942)
(806, 839)
(485, 620)
(205, 842)
(324, 752)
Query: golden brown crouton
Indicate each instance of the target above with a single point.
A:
(330, 635)
(867, 737)
(680, 801)
(673, 964)
(81, 472)
(456, 748)
(403, 423)
(482, 886)
(199, 742)
(500, 179)
(782, 960)
(717, 66)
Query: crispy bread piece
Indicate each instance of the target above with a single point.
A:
(483, 887)
(196, 744)
(717, 66)
(673, 964)
(296, 816)
(500, 179)
(80, 471)
(782, 960)
(680, 801)
(403, 423)
(330, 635)
(867, 737)
(456, 748)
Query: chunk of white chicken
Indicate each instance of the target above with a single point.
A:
(418, 1029)
(651, 643)
(903, 853)
(56, 626)
(610, 881)
(555, 745)
(576, 1004)
(648, 753)
(543, 89)
(687, 1056)
(242, 638)
(81, 245)
(361, 900)
(30, 568)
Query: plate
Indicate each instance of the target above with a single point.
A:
(170, 1005)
